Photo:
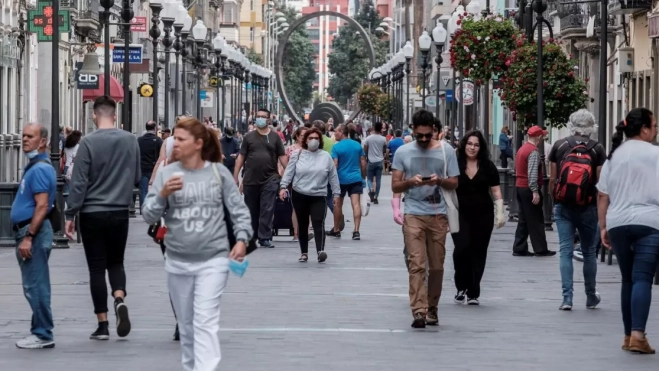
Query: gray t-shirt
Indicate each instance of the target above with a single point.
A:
(376, 144)
(414, 160)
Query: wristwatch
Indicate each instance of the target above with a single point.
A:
(30, 234)
(242, 240)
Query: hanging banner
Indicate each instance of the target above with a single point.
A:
(206, 97)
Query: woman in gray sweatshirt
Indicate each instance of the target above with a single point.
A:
(309, 170)
(191, 195)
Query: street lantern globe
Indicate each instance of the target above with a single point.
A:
(387, 19)
(400, 57)
(284, 25)
(218, 42)
(184, 18)
(155, 1)
(474, 7)
(199, 31)
(439, 34)
(271, 3)
(231, 54)
(379, 29)
(170, 9)
(424, 42)
(280, 14)
(384, 24)
(408, 50)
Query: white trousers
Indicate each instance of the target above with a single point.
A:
(196, 289)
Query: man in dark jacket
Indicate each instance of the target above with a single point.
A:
(230, 148)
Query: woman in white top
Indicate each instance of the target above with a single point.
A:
(628, 205)
(70, 150)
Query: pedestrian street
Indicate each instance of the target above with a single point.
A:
(349, 314)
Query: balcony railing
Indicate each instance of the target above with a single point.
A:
(576, 16)
(89, 14)
(628, 6)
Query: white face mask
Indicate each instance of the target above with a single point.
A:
(313, 145)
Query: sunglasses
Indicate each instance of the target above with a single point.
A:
(422, 136)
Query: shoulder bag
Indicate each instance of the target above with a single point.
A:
(251, 244)
(158, 230)
(450, 199)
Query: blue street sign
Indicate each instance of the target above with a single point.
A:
(134, 56)
(202, 94)
(449, 96)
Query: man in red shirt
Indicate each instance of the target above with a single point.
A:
(528, 168)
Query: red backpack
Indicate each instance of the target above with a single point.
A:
(576, 175)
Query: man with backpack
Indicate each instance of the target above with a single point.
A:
(575, 164)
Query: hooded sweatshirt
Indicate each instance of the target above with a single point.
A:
(310, 172)
(194, 216)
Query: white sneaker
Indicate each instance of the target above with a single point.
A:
(33, 342)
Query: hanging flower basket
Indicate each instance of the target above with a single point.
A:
(480, 47)
(367, 97)
(384, 106)
(563, 91)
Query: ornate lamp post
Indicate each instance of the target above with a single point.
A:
(408, 52)
(168, 15)
(182, 25)
(223, 57)
(219, 44)
(439, 38)
(199, 33)
(424, 48)
(400, 110)
(247, 76)
(107, 5)
(126, 15)
(154, 32)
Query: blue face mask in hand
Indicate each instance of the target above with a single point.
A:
(238, 268)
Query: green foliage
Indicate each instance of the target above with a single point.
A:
(255, 57)
(564, 92)
(384, 106)
(349, 60)
(299, 64)
(368, 97)
(481, 46)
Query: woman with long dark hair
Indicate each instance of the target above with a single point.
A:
(71, 145)
(192, 195)
(627, 207)
(478, 182)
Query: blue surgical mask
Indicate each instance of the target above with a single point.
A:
(261, 122)
(238, 268)
(32, 154)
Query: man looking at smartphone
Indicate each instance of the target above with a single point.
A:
(425, 224)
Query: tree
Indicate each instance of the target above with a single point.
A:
(298, 64)
(255, 57)
(349, 61)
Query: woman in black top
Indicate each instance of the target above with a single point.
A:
(478, 183)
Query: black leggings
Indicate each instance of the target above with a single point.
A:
(316, 208)
(104, 236)
(470, 251)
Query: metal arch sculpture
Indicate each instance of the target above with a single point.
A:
(325, 111)
(279, 68)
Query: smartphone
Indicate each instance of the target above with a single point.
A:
(425, 178)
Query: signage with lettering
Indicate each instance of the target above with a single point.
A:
(467, 95)
(134, 56)
(40, 21)
(85, 82)
(138, 24)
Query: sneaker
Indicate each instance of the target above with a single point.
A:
(123, 322)
(431, 317)
(577, 254)
(473, 301)
(356, 236)
(266, 243)
(593, 300)
(295, 239)
(375, 200)
(322, 256)
(34, 342)
(567, 304)
(311, 236)
(177, 336)
(460, 297)
(419, 320)
(333, 233)
(371, 196)
(102, 331)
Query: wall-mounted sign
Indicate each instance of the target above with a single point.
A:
(206, 97)
(138, 24)
(40, 21)
(134, 53)
(85, 82)
(145, 90)
(467, 95)
(212, 81)
(653, 25)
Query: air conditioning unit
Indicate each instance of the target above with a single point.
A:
(625, 60)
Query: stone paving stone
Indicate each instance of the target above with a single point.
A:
(350, 314)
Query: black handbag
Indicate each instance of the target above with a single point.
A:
(251, 244)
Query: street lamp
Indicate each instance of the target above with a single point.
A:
(424, 48)
(438, 38)
(126, 15)
(107, 5)
(223, 69)
(408, 53)
(474, 8)
(219, 44)
(168, 17)
(199, 33)
(154, 32)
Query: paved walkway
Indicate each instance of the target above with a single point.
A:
(350, 314)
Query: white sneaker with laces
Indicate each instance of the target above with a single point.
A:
(34, 342)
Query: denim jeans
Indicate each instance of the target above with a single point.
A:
(144, 188)
(637, 250)
(36, 279)
(584, 219)
(374, 169)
